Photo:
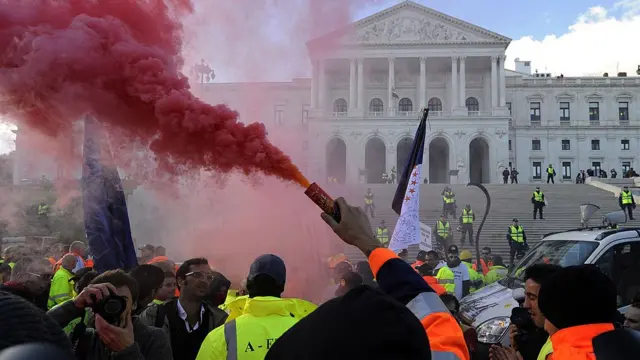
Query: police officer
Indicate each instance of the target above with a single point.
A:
(466, 222)
(626, 201)
(517, 241)
(537, 199)
(382, 233)
(449, 202)
(443, 232)
(369, 206)
(551, 174)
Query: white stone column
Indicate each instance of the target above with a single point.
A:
(494, 83)
(314, 84)
(361, 104)
(503, 85)
(352, 85)
(463, 81)
(391, 84)
(454, 82)
(322, 85)
(423, 83)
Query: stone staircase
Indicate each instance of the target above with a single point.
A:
(508, 202)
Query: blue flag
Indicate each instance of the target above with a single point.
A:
(414, 160)
(106, 220)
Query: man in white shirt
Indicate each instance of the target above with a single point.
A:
(460, 272)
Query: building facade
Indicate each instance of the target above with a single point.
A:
(359, 110)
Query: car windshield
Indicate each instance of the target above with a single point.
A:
(557, 252)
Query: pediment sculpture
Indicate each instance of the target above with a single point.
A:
(411, 29)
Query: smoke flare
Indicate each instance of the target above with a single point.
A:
(120, 60)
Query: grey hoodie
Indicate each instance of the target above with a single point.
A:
(150, 343)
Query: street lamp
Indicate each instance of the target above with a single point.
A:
(204, 72)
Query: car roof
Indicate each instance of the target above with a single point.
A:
(592, 234)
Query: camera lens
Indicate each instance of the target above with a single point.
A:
(113, 307)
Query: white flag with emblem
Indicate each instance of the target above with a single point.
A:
(407, 229)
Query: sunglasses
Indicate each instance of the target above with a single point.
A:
(200, 275)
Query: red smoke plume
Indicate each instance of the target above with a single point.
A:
(120, 60)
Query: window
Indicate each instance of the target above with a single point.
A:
(278, 114)
(405, 105)
(624, 145)
(623, 111)
(435, 104)
(537, 170)
(626, 166)
(566, 145)
(340, 106)
(509, 145)
(472, 104)
(376, 106)
(595, 165)
(565, 111)
(594, 111)
(595, 144)
(566, 170)
(621, 263)
(534, 108)
(535, 145)
(305, 113)
(509, 107)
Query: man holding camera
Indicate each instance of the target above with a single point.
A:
(528, 338)
(117, 336)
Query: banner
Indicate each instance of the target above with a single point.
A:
(425, 237)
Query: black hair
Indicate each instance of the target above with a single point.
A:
(185, 268)
(450, 301)
(264, 285)
(486, 248)
(149, 278)
(363, 268)
(433, 253)
(118, 278)
(540, 272)
(497, 260)
(85, 280)
(352, 280)
(425, 270)
(422, 255)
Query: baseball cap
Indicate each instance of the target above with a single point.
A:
(268, 264)
(147, 247)
(453, 249)
(515, 219)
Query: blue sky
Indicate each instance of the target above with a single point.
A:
(513, 18)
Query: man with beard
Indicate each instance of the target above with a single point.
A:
(30, 279)
(187, 319)
(455, 276)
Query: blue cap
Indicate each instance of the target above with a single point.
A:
(268, 264)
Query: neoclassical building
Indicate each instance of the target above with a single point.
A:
(359, 111)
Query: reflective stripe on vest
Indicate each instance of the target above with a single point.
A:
(467, 217)
(550, 171)
(627, 197)
(448, 197)
(537, 196)
(424, 305)
(383, 235)
(443, 230)
(517, 234)
(231, 338)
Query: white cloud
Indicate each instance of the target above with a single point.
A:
(598, 42)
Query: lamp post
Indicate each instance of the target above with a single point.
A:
(205, 74)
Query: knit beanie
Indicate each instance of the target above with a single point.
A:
(22, 322)
(597, 290)
(363, 324)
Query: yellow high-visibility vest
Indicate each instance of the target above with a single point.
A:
(449, 197)
(383, 235)
(517, 233)
(537, 196)
(467, 217)
(627, 197)
(550, 170)
(443, 229)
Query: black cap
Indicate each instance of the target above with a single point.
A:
(453, 249)
(515, 219)
(268, 264)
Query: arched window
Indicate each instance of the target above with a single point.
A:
(435, 104)
(376, 105)
(405, 105)
(472, 104)
(340, 106)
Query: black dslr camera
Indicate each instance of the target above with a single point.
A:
(110, 307)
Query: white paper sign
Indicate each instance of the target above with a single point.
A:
(425, 237)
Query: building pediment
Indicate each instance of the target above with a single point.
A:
(411, 24)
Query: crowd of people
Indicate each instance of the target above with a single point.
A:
(382, 308)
